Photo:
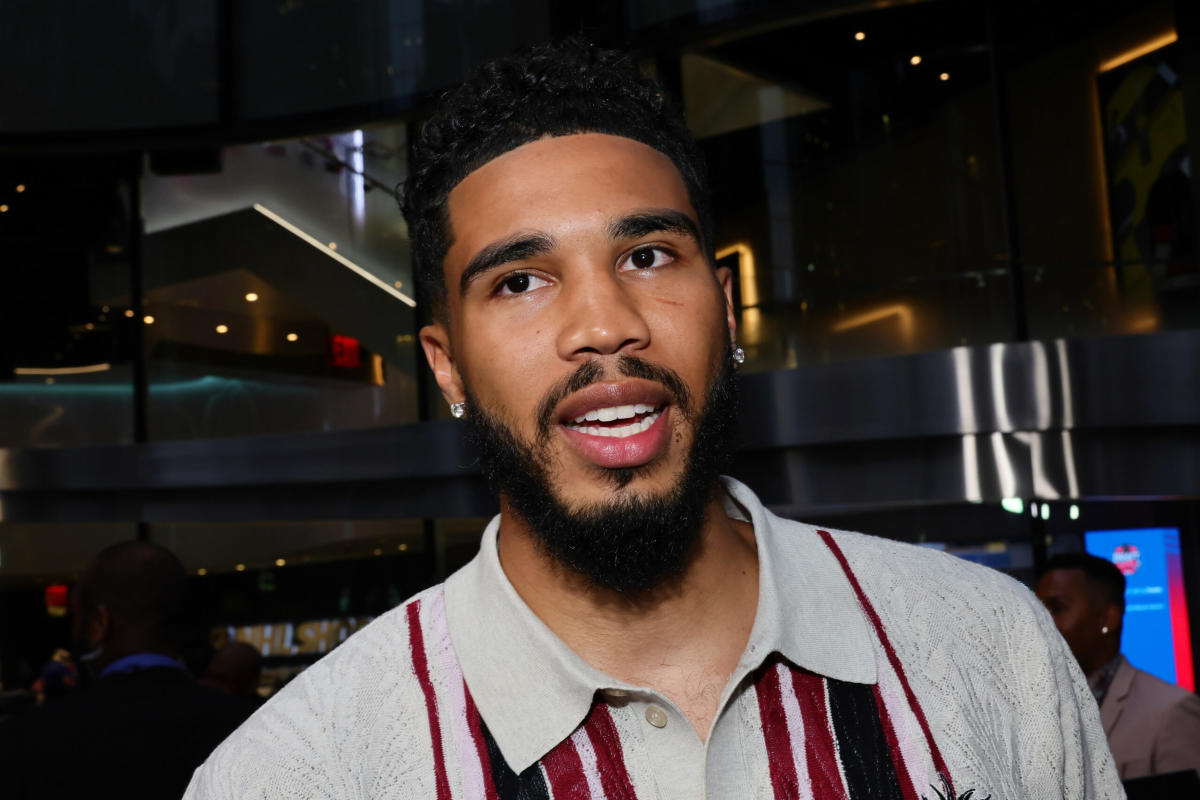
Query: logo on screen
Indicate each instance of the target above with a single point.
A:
(1127, 558)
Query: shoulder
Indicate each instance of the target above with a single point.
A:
(359, 706)
(1155, 695)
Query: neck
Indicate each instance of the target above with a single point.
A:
(702, 619)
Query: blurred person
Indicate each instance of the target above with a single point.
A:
(235, 669)
(634, 624)
(144, 723)
(58, 677)
(1152, 726)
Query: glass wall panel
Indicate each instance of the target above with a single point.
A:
(68, 229)
(857, 186)
(279, 290)
(1102, 154)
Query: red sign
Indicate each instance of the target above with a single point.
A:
(56, 600)
(344, 352)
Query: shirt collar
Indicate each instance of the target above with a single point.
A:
(140, 661)
(533, 691)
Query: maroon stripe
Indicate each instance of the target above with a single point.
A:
(939, 763)
(822, 757)
(610, 758)
(775, 733)
(565, 771)
(485, 763)
(907, 790)
(416, 644)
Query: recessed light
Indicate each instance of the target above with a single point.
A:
(291, 337)
(129, 313)
(202, 571)
(858, 37)
(20, 188)
(148, 319)
(251, 297)
(222, 329)
(915, 60)
(945, 76)
(279, 562)
(240, 567)
(333, 245)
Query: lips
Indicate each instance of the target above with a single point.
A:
(617, 425)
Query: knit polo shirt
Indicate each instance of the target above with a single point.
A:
(873, 669)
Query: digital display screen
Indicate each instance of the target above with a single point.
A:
(1156, 636)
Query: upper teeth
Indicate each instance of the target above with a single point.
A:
(614, 412)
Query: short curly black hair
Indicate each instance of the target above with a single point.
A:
(554, 89)
(1103, 574)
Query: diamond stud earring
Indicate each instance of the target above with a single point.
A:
(739, 355)
(1104, 629)
(457, 410)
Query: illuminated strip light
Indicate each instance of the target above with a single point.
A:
(1142, 49)
(336, 256)
(84, 370)
(747, 268)
(900, 310)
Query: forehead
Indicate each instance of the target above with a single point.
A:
(1063, 582)
(558, 184)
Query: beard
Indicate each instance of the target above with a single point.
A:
(635, 542)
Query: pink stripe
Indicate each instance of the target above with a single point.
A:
(907, 790)
(587, 759)
(469, 764)
(908, 734)
(795, 727)
(784, 782)
(481, 752)
(564, 772)
(416, 644)
(610, 758)
(824, 769)
(939, 763)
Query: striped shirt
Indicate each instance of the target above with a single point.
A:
(873, 670)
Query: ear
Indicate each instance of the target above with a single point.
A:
(725, 279)
(99, 626)
(1112, 618)
(435, 341)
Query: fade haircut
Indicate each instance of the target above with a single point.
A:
(548, 90)
(1102, 575)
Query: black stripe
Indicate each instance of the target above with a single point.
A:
(529, 785)
(862, 745)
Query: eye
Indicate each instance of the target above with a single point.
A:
(520, 283)
(647, 257)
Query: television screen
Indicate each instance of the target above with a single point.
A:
(1156, 635)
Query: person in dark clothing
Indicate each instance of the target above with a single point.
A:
(144, 724)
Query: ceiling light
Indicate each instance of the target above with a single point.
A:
(915, 60)
(222, 329)
(333, 245)
(945, 76)
(202, 571)
(291, 337)
(251, 297)
(240, 567)
(378, 551)
(279, 562)
(398, 284)
(148, 319)
(858, 37)
(104, 309)
(4, 208)
(20, 188)
(129, 312)
(91, 326)
(402, 547)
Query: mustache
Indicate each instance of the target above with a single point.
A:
(593, 372)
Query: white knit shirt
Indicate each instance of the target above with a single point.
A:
(874, 669)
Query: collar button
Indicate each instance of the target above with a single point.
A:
(656, 716)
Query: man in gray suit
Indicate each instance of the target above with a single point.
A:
(1153, 727)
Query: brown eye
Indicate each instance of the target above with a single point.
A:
(516, 284)
(642, 258)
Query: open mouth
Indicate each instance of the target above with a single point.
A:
(616, 422)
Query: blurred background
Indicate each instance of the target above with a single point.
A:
(964, 236)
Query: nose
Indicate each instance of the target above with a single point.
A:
(601, 317)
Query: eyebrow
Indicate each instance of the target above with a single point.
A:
(515, 248)
(662, 220)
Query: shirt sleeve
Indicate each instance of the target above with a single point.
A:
(1088, 770)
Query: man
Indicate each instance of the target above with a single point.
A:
(144, 724)
(1153, 726)
(634, 625)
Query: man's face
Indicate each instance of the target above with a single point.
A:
(1078, 612)
(585, 322)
